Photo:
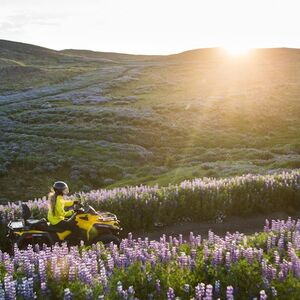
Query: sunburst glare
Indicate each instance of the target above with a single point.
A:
(237, 49)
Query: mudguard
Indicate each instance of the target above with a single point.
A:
(34, 237)
(101, 229)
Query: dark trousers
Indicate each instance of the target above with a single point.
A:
(69, 224)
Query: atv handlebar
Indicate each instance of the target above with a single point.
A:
(79, 197)
(78, 207)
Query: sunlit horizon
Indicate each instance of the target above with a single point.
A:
(152, 27)
(236, 49)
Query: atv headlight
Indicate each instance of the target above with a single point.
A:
(106, 219)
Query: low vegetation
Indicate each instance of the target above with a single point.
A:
(142, 207)
(260, 266)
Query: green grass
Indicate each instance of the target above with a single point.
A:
(166, 121)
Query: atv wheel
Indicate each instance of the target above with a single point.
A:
(24, 244)
(107, 239)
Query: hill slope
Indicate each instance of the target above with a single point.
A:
(24, 66)
(103, 119)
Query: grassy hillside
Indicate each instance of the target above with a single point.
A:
(100, 119)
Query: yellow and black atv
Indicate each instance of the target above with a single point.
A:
(93, 227)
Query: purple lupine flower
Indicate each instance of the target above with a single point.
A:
(67, 294)
(183, 260)
(103, 276)
(264, 266)
(269, 241)
(274, 291)
(8, 264)
(229, 293)
(267, 226)
(157, 285)
(186, 288)
(131, 292)
(192, 238)
(170, 294)
(89, 294)
(281, 276)
(43, 288)
(202, 289)
(2, 293)
(10, 287)
(119, 288)
(193, 253)
(130, 237)
(295, 263)
(193, 264)
(42, 270)
(153, 261)
(281, 242)
(180, 239)
(220, 255)
(260, 253)
(149, 278)
(217, 288)
(209, 292)
(110, 263)
(210, 237)
(228, 259)
(235, 254)
(266, 283)
(198, 240)
(262, 295)
(72, 271)
(249, 255)
(206, 253)
(198, 292)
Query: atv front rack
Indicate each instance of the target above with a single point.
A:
(16, 225)
(107, 216)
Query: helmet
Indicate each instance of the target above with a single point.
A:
(60, 187)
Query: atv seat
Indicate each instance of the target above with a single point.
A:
(33, 223)
(42, 221)
(37, 224)
(26, 213)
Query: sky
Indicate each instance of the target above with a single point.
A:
(151, 26)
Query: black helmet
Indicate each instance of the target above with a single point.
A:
(60, 187)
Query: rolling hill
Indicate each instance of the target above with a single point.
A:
(98, 119)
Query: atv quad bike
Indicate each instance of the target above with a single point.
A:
(94, 227)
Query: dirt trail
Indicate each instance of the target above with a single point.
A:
(247, 225)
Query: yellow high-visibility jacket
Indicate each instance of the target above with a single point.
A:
(60, 212)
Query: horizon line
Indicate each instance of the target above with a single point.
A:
(142, 54)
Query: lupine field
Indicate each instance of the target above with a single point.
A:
(265, 265)
(198, 200)
(262, 266)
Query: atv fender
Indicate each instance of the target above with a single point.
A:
(34, 238)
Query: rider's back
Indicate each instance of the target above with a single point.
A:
(59, 211)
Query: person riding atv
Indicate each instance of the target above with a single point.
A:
(84, 223)
(56, 212)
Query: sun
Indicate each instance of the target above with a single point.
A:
(237, 49)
